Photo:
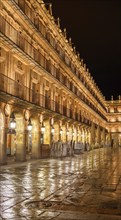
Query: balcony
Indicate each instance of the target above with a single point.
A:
(12, 88)
(36, 56)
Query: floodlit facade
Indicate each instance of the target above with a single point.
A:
(114, 119)
(49, 102)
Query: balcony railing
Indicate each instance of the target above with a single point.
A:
(12, 87)
(35, 55)
(52, 42)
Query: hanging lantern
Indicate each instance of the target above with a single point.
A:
(29, 126)
(52, 130)
(43, 128)
(13, 121)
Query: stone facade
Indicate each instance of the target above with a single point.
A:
(44, 83)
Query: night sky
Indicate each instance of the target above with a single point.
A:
(95, 29)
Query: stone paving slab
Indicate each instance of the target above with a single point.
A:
(84, 187)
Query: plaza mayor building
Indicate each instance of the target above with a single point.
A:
(50, 105)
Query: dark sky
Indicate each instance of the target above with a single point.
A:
(95, 29)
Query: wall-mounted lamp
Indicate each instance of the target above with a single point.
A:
(82, 135)
(67, 132)
(29, 125)
(43, 128)
(61, 131)
(12, 121)
(52, 130)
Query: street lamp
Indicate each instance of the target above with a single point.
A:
(13, 121)
(29, 126)
(43, 128)
(52, 130)
(61, 131)
(67, 132)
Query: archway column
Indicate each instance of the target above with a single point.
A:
(3, 138)
(103, 137)
(60, 130)
(108, 139)
(36, 136)
(98, 136)
(3, 141)
(20, 154)
(35, 145)
(92, 137)
(20, 142)
(67, 132)
(51, 130)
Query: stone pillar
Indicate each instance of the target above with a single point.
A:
(77, 135)
(103, 137)
(98, 136)
(109, 139)
(20, 154)
(115, 140)
(3, 140)
(83, 135)
(12, 144)
(27, 136)
(60, 130)
(67, 133)
(60, 134)
(35, 145)
(73, 134)
(51, 130)
(92, 138)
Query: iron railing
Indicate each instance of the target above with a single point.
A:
(34, 54)
(12, 87)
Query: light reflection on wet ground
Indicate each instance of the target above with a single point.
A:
(83, 187)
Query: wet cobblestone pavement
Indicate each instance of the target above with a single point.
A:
(84, 187)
